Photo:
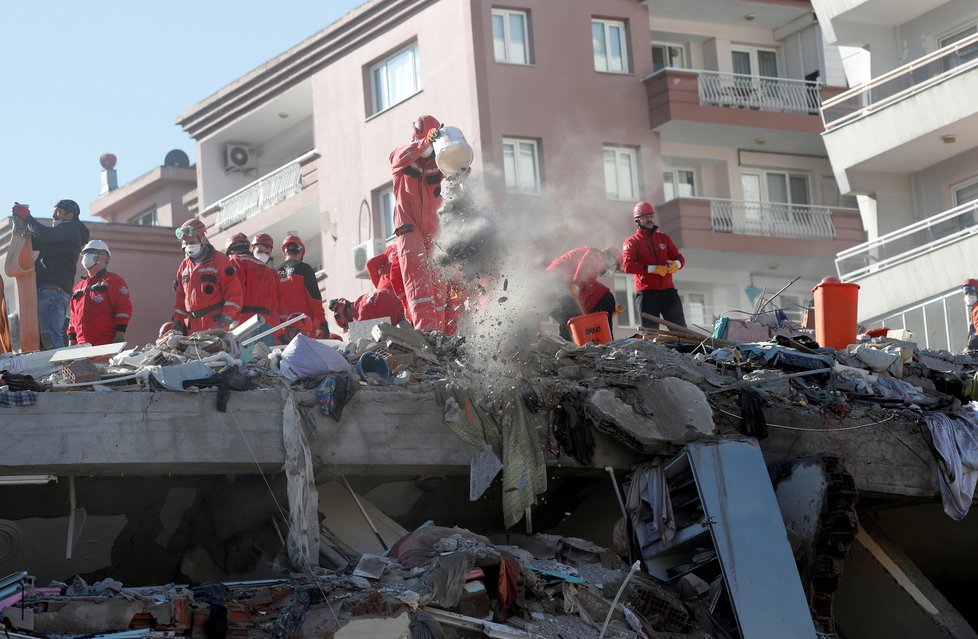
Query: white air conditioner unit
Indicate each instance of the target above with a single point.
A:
(363, 252)
(240, 157)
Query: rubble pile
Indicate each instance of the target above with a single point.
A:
(521, 410)
(448, 581)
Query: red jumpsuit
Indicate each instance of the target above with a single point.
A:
(259, 288)
(295, 295)
(100, 307)
(417, 197)
(378, 304)
(206, 290)
(582, 267)
(385, 273)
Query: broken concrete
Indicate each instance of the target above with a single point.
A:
(673, 412)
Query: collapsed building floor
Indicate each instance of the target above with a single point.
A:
(138, 484)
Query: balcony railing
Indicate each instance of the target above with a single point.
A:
(261, 194)
(909, 242)
(901, 83)
(771, 220)
(781, 95)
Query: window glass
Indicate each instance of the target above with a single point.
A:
(620, 173)
(767, 64)
(665, 55)
(608, 41)
(600, 50)
(741, 62)
(777, 189)
(521, 165)
(395, 79)
(966, 192)
(509, 36)
(386, 205)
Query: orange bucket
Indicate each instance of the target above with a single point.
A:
(592, 328)
(835, 313)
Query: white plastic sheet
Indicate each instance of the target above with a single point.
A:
(305, 357)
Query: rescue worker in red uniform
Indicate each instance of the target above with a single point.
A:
(417, 197)
(237, 244)
(100, 307)
(299, 291)
(578, 271)
(373, 305)
(385, 273)
(207, 288)
(652, 258)
(259, 282)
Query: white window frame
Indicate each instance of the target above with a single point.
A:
(950, 38)
(507, 56)
(625, 284)
(607, 26)
(960, 186)
(517, 187)
(670, 176)
(755, 65)
(706, 319)
(380, 84)
(667, 50)
(151, 214)
(789, 212)
(385, 212)
(630, 154)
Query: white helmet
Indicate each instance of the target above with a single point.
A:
(97, 245)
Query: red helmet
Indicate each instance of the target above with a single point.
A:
(423, 124)
(165, 328)
(970, 283)
(294, 239)
(263, 239)
(191, 228)
(643, 208)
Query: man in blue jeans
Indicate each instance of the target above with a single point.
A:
(58, 247)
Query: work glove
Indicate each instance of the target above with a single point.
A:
(431, 134)
(118, 337)
(21, 210)
(672, 266)
(658, 270)
(224, 321)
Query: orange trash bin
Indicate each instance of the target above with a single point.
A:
(836, 303)
(590, 328)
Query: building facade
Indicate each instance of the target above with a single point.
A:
(576, 110)
(904, 140)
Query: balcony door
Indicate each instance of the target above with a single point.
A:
(775, 200)
(964, 54)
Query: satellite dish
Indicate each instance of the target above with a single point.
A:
(177, 158)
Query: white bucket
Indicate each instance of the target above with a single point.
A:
(452, 152)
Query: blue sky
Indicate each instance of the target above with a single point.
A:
(84, 78)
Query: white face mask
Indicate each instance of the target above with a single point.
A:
(193, 250)
(970, 299)
(89, 260)
(261, 257)
(56, 222)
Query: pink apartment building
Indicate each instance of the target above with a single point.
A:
(576, 109)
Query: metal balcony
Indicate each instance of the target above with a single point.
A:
(909, 243)
(772, 220)
(781, 95)
(901, 83)
(263, 193)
